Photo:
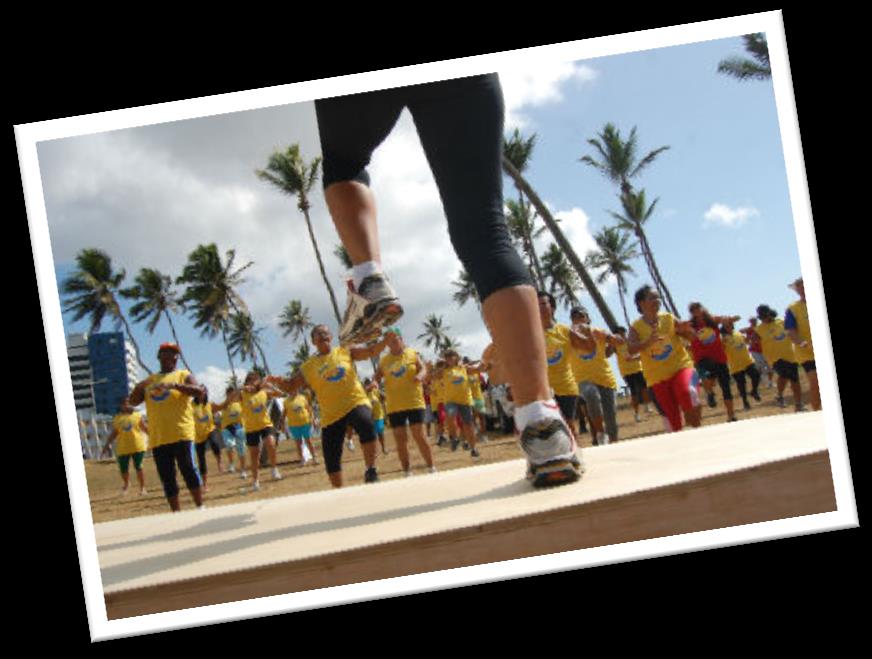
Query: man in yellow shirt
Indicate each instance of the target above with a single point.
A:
(798, 329)
(630, 366)
(403, 372)
(341, 399)
(129, 428)
(168, 397)
(594, 376)
(458, 402)
(740, 362)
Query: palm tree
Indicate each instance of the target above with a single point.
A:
(450, 344)
(295, 320)
(342, 254)
(210, 293)
(749, 69)
(619, 162)
(522, 229)
(466, 290)
(636, 213)
(435, 333)
(520, 220)
(562, 280)
(613, 256)
(245, 340)
(290, 174)
(563, 243)
(156, 299)
(90, 291)
(301, 355)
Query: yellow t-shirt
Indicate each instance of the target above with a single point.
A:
(402, 391)
(378, 410)
(455, 386)
(204, 424)
(558, 351)
(776, 344)
(666, 357)
(475, 386)
(736, 347)
(628, 364)
(231, 414)
(255, 411)
(297, 411)
(171, 413)
(436, 392)
(803, 331)
(131, 439)
(334, 381)
(593, 366)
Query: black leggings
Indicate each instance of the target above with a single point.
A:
(201, 457)
(460, 124)
(739, 377)
(720, 372)
(333, 436)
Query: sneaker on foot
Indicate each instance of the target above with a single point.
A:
(712, 401)
(638, 418)
(465, 446)
(550, 452)
(143, 492)
(243, 474)
(755, 395)
(124, 491)
(779, 400)
(431, 470)
(442, 441)
(474, 453)
(255, 486)
(370, 308)
(371, 475)
(231, 469)
(454, 443)
(746, 405)
(408, 473)
(276, 474)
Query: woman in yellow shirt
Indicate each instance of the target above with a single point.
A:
(779, 353)
(129, 428)
(341, 399)
(403, 372)
(659, 338)
(232, 430)
(378, 411)
(204, 425)
(299, 417)
(458, 401)
(799, 330)
(740, 362)
(630, 366)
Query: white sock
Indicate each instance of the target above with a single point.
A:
(363, 270)
(536, 411)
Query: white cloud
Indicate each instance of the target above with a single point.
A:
(215, 380)
(723, 215)
(539, 84)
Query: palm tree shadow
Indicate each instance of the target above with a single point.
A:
(139, 568)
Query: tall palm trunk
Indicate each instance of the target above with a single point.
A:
(263, 357)
(176, 339)
(133, 341)
(622, 290)
(321, 267)
(543, 211)
(229, 356)
(655, 273)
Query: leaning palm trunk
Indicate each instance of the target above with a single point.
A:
(655, 274)
(229, 356)
(622, 291)
(135, 344)
(543, 211)
(321, 267)
(263, 357)
(176, 339)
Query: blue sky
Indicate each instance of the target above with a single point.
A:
(150, 195)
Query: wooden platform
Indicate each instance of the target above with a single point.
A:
(724, 475)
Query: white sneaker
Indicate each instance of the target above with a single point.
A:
(276, 474)
(550, 451)
(638, 418)
(408, 473)
(370, 308)
(255, 487)
(231, 469)
(202, 506)
(605, 440)
(431, 470)
(243, 474)
(143, 492)
(350, 445)
(124, 491)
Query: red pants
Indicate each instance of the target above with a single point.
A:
(677, 393)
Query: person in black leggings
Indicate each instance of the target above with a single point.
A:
(460, 124)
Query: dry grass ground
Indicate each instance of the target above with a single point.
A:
(104, 481)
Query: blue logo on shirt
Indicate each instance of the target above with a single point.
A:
(157, 398)
(663, 355)
(128, 427)
(556, 358)
(257, 410)
(780, 337)
(587, 357)
(459, 380)
(399, 373)
(336, 375)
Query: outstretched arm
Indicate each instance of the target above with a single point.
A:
(360, 354)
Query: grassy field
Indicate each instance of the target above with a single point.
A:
(104, 481)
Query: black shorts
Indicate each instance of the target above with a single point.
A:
(333, 436)
(567, 405)
(400, 419)
(809, 366)
(787, 370)
(252, 439)
(636, 383)
(716, 371)
(167, 456)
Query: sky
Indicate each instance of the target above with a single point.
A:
(722, 234)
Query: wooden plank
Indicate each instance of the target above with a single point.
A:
(725, 475)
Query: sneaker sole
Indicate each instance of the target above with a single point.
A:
(554, 474)
(386, 312)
